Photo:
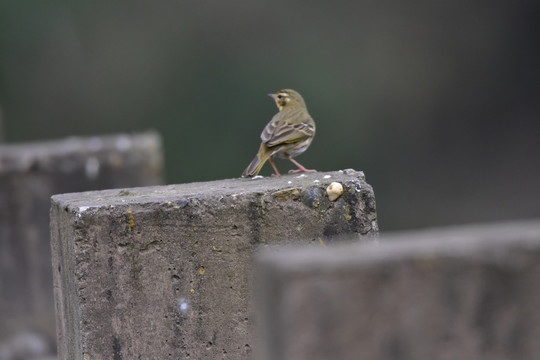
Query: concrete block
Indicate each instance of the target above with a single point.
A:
(29, 175)
(164, 272)
(464, 293)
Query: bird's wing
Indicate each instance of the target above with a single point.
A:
(280, 130)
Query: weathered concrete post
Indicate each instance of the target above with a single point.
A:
(163, 272)
(465, 293)
(29, 175)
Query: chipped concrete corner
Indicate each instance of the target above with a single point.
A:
(164, 272)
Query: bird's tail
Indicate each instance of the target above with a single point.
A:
(262, 155)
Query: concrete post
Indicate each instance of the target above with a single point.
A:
(164, 272)
(29, 175)
(463, 293)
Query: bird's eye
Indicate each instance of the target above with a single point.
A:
(279, 96)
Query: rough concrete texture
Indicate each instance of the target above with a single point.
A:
(163, 272)
(463, 293)
(29, 175)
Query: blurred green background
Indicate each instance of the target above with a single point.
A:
(437, 102)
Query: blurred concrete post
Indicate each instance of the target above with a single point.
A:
(164, 272)
(463, 293)
(29, 175)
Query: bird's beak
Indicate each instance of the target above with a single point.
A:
(273, 96)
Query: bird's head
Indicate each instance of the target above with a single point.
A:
(288, 99)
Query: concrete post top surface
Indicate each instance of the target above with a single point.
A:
(306, 187)
(482, 242)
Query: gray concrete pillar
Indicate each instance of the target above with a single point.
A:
(164, 272)
(465, 293)
(29, 175)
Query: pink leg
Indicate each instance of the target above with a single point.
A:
(300, 167)
(271, 159)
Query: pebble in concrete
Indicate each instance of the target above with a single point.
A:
(466, 293)
(163, 272)
(29, 174)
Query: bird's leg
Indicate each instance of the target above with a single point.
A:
(300, 167)
(271, 159)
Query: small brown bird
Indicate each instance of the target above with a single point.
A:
(288, 134)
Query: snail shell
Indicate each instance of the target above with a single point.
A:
(334, 190)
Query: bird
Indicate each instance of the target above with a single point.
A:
(287, 135)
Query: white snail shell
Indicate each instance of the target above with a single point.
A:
(334, 190)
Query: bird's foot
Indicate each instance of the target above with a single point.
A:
(303, 169)
(300, 167)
